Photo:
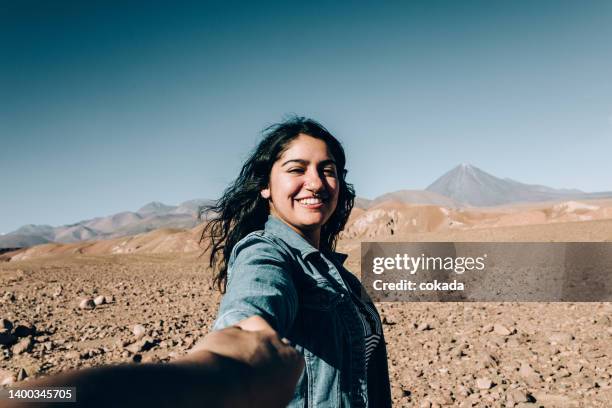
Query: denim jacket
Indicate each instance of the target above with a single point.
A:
(304, 295)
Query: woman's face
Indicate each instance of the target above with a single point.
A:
(304, 186)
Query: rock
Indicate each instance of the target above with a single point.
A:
(24, 346)
(5, 326)
(425, 404)
(552, 400)
(485, 360)
(574, 367)
(463, 391)
(483, 383)
(9, 297)
(22, 374)
(144, 344)
(6, 377)
(99, 300)
(486, 329)
(560, 338)
(563, 373)
(25, 330)
(150, 358)
(516, 396)
(139, 331)
(424, 326)
(501, 330)
(388, 321)
(87, 304)
(528, 374)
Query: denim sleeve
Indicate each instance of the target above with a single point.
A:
(259, 283)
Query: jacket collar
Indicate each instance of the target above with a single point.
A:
(277, 227)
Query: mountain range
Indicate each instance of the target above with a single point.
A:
(463, 186)
(150, 217)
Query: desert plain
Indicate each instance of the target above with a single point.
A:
(149, 298)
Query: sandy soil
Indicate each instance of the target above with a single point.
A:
(440, 354)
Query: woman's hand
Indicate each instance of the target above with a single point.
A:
(275, 367)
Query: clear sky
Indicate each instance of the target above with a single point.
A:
(107, 105)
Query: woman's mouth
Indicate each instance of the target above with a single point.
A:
(311, 202)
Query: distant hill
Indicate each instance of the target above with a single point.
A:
(149, 217)
(155, 207)
(469, 185)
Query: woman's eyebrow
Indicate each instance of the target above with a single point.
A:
(305, 162)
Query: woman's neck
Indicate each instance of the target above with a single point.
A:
(312, 236)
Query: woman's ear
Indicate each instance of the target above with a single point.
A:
(265, 193)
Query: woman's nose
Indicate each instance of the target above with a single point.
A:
(314, 182)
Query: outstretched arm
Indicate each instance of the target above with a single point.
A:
(230, 368)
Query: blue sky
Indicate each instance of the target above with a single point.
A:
(105, 106)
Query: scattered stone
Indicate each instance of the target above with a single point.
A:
(388, 321)
(22, 374)
(574, 367)
(564, 373)
(6, 377)
(486, 329)
(425, 404)
(484, 383)
(99, 300)
(463, 391)
(528, 374)
(139, 331)
(485, 360)
(143, 344)
(560, 338)
(424, 326)
(9, 297)
(150, 358)
(501, 330)
(552, 400)
(5, 326)
(24, 346)
(516, 396)
(87, 304)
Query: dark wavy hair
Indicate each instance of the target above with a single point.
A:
(241, 209)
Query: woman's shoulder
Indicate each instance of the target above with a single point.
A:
(260, 244)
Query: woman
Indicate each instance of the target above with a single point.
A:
(273, 243)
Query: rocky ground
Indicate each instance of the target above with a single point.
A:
(65, 312)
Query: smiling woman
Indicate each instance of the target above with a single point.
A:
(303, 188)
(272, 244)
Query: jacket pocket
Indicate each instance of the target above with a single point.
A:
(320, 296)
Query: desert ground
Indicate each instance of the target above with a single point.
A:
(149, 298)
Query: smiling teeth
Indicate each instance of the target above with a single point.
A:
(310, 201)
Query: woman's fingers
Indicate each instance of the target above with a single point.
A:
(254, 323)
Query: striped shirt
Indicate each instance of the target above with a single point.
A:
(372, 326)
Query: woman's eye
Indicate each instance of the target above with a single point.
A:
(296, 170)
(329, 172)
